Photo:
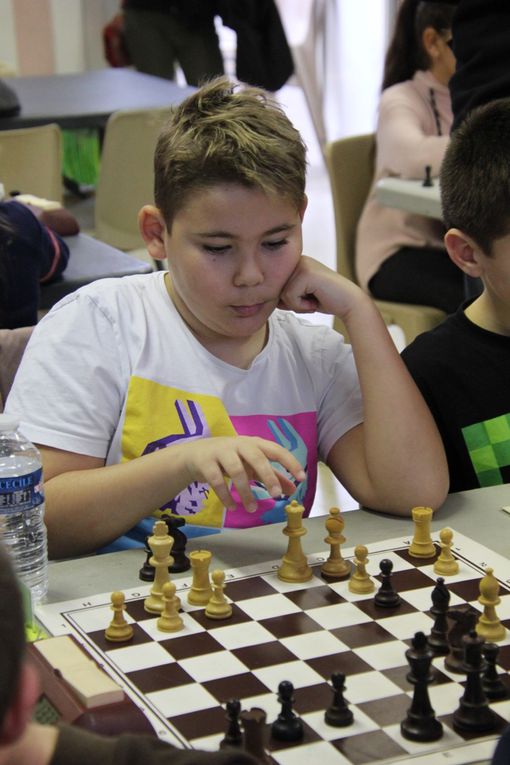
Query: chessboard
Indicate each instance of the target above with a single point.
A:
(301, 633)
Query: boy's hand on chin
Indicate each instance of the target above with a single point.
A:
(313, 286)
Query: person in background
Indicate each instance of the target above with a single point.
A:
(31, 253)
(159, 33)
(25, 742)
(462, 367)
(400, 256)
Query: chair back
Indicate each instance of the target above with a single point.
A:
(126, 178)
(31, 161)
(350, 164)
(12, 346)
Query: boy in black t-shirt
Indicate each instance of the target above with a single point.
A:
(462, 367)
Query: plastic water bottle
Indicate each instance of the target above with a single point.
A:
(22, 529)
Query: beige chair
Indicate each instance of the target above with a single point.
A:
(350, 163)
(12, 346)
(126, 176)
(31, 161)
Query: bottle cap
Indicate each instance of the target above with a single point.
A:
(8, 422)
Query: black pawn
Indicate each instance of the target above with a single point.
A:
(492, 684)
(427, 181)
(474, 712)
(386, 595)
(233, 735)
(420, 723)
(287, 726)
(338, 714)
(438, 638)
(181, 560)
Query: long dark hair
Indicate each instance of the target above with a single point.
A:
(406, 54)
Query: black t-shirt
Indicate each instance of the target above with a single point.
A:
(463, 372)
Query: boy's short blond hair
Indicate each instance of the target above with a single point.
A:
(222, 134)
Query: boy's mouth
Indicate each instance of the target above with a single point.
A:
(247, 310)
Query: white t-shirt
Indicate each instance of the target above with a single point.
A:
(113, 372)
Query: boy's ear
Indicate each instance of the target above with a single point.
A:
(152, 228)
(20, 711)
(464, 252)
(304, 205)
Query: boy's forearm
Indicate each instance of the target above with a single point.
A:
(86, 509)
(403, 450)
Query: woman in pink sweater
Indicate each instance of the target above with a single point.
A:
(400, 256)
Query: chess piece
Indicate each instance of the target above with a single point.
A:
(233, 735)
(336, 567)
(492, 683)
(420, 723)
(218, 606)
(427, 181)
(488, 625)
(422, 545)
(438, 638)
(386, 597)
(445, 563)
(160, 544)
(170, 621)
(294, 566)
(254, 726)
(118, 630)
(474, 712)
(181, 561)
(464, 619)
(287, 726)
(338, 714)
(360, 582)
(146, 573)
(200, 590)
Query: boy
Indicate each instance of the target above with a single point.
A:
(187, 390)
(27, 743)
(462, 367)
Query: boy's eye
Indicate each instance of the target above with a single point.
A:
(275, 245)
(216, 249)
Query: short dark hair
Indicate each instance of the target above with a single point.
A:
(475, 175)
(224, 134)
(12, 634)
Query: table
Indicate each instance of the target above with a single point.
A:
(476, 513)
(90, 259)
(410, 195)
(87, 99)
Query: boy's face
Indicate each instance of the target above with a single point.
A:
(230, 251)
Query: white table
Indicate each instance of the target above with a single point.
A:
(410, 195)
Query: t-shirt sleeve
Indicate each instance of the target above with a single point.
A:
(340, 406)
(69, 388)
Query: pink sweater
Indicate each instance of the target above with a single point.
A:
(407, 140)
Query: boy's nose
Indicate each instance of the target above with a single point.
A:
(249, 272)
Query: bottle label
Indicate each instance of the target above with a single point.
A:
(21, 492)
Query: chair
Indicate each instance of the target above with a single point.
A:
(350, 163)
(31, 161)
(12, 346)
(126, 177)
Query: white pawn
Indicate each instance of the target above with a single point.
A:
(218, 606)
(360, 582)
(119, 629)
(446, 565)
(169, 621)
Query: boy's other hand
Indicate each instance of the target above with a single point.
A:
(241, 459)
